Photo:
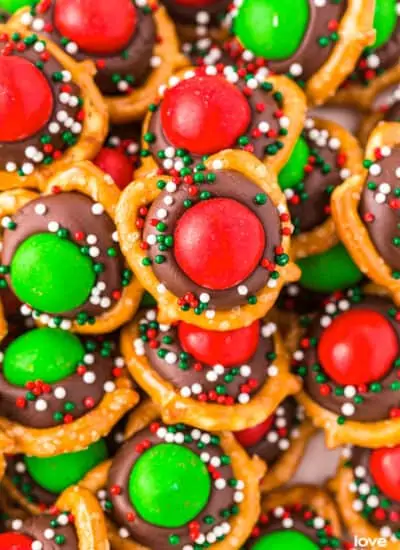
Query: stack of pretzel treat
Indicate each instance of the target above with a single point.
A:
(199, 274)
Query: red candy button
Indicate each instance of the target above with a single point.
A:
(359, 347)
(385, 469)
(204, 114)
(26, 99)
(116, 164)
(15, 541)
(218, 243)
(97, 26)
(233, 347)
(251, 436)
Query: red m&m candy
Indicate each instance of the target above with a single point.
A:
(359, 347)
(204, 114)
(211, 347)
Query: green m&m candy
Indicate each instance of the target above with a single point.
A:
(273, 29)
(385, 21)
(51, 274)
(293, 171)
(285, 540)
(46, 354)
(56, 473)
(329, 271)
(169, 485)
(13, 5)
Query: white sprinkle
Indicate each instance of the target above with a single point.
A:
(40, 405)
(97, 209)
(53, 226)
(40, 209)
(348, 409)
(60, 392)
(89, 377)
(109, 387)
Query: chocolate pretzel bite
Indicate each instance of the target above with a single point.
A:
(301, 518)
(349, 362)
(212, 245)
(324, 156)
(34, 483)
(317, 48)
(233, 110)
(132, 44)
(176, 486)
(76, 523)
(279, 441)
(367, 488)
(213, 380)
(52, 116)
(68, 230)
(60, 392)
(365, 209)
(378, 65)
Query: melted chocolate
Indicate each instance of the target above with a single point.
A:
(63, 128)
(185, 373)
(278, 438)
(26, 485)
(366, 486)
(36, 528)
(130, 66)
(309, 200)
(383, 229)
(393, 113)
(376, 405)
(266, 109)
(231, 184)
(311, 55)
(72, 211)
(52, 409)
(139, 529)
(297, 518)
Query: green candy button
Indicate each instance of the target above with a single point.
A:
(47, 354)
(56, 473)
(293, 171)
(51, 274)
(169, 485)
(385, 20)
(329, 271)
(273, 29)
(14, 5)
(285, 540)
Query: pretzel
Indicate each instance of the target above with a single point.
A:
(384, 100)
(250, 471)
(323, 237)
(76, 515)
(133, 105)
(95, 123)
(78, 434)
(144, 191)
(293, 108)
(352, 229)
(356, 524)
(84, 178)
(284, 469)
(176, 408)
(363, 97)
(310, 496)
